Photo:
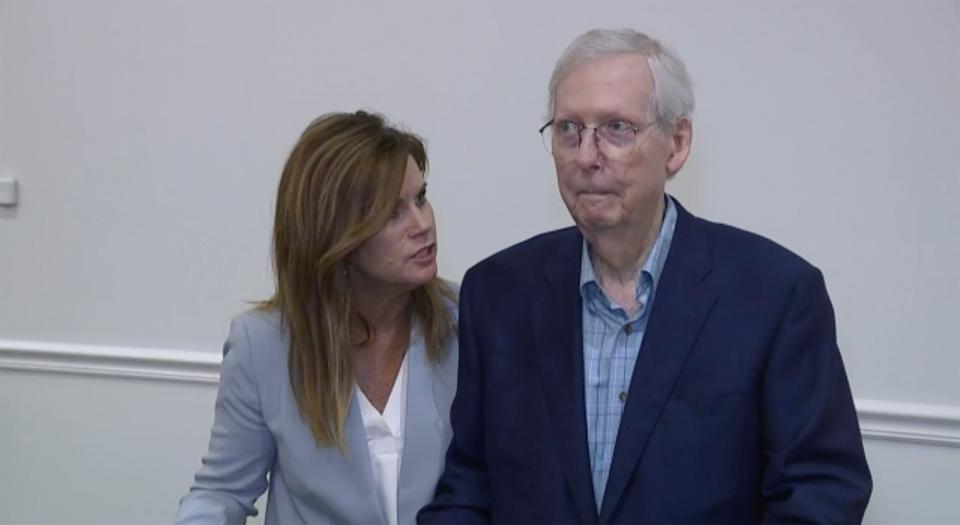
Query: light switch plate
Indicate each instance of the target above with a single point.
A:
(8, 191)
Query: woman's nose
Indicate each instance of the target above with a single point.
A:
(420, 221)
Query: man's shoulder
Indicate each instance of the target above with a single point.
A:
(505, 282)
(530, 255)
(737, 247)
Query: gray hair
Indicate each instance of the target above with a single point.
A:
(672, 96)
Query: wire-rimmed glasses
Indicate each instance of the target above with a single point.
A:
(616, 139)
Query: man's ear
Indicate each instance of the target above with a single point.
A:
(680, 140)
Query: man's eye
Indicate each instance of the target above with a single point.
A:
(567, 128)
(618, 126)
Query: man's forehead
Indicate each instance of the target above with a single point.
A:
(612, 84)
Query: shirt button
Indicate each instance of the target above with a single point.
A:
(628, 328)
(623, 397)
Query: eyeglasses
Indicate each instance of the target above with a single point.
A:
(616, 139)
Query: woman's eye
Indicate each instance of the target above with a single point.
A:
(420, 199)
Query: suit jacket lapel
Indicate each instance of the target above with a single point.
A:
(682, 303)
(558, 345)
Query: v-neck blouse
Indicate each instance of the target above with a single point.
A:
(385, 440)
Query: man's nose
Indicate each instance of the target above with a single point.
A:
(589, 148)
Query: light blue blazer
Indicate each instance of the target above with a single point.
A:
(259, 440)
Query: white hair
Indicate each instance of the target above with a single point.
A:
(672, 96)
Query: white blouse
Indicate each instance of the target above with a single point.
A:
(385, 440)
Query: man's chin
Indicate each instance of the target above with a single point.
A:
(595, 220)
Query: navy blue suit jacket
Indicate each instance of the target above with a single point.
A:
(739, 409)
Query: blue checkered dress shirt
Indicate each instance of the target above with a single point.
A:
(611, 343)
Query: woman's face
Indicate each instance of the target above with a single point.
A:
(402, 255)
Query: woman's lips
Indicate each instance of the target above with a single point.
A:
(425, 254)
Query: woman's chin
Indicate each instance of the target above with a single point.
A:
(422, 275)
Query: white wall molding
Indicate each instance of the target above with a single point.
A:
(111, 361)
(888, 420)
(913, 422)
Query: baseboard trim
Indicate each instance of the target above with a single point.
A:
(919, 423)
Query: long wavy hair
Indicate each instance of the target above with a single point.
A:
(338, 189)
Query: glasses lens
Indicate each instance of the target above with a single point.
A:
(567, 134)
(561, 138)
(618, 134)
(546, 134)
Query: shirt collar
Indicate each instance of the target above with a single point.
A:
(652, 267)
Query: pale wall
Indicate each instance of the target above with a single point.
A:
(148, 138)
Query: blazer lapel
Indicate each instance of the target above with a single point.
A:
(358, 455)
(558, 345)
(423, 437)
(682, 303)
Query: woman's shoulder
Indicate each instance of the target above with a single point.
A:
(260, 321)
(262, 336)
(259, 326)
(454, 286)
(451, 299)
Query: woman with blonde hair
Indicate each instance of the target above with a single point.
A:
(335, 393)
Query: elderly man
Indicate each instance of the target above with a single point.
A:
(646, 365)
